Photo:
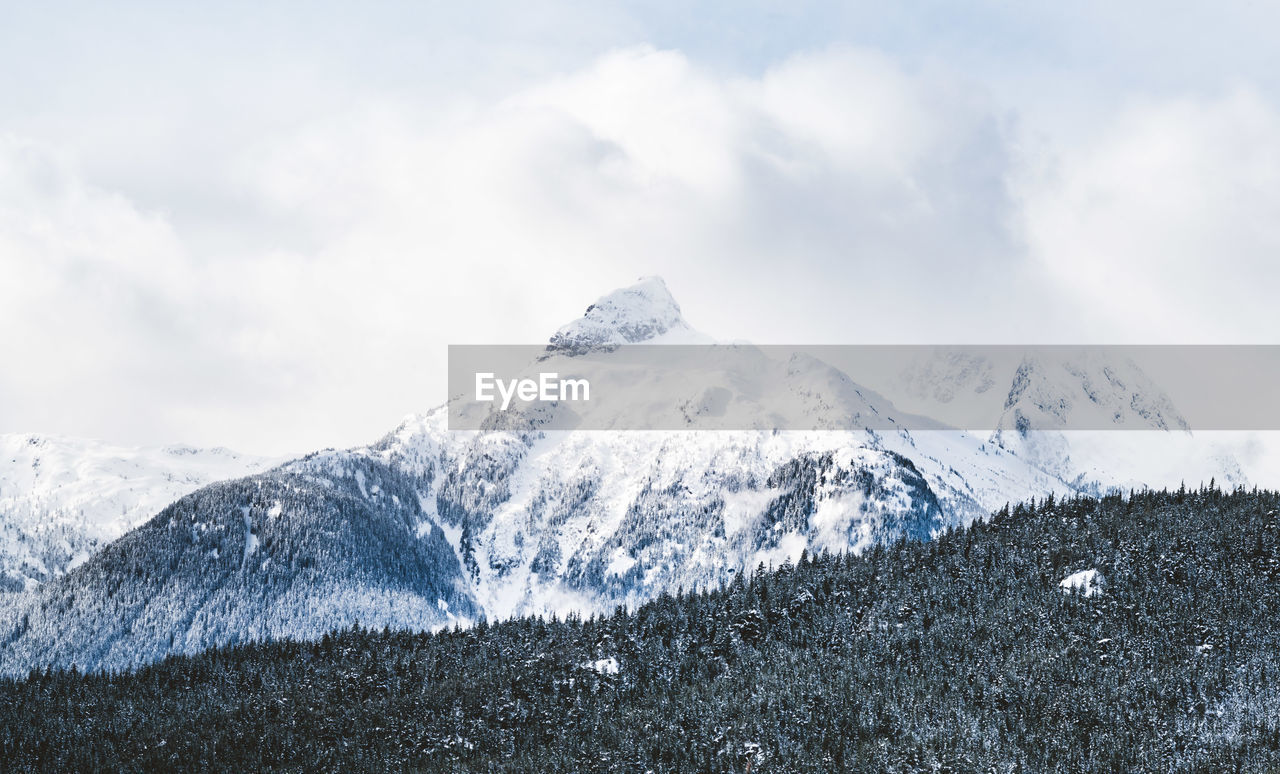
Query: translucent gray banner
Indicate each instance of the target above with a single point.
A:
(857, 387)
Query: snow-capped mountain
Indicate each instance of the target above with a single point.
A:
(516, 519)
(1086, 390)
(318, 544)
(555, 521)
(61, 499)
(1058, 409)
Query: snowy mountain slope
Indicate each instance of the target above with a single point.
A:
(583, 521)
(61, 499)
(303, 549)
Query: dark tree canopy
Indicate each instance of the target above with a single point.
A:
(963, 654)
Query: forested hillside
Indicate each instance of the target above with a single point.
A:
(965, 654)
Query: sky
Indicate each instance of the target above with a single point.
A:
(259, 225)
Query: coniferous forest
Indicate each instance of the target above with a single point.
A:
(962, 654)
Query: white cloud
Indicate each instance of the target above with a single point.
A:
(83, 270)
(295, 287)
(1168, 222)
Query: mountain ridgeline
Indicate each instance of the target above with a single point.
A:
(430, 527)
(975, 652)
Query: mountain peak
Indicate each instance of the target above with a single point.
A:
(643, 312)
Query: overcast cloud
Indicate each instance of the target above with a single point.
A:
(261, 227)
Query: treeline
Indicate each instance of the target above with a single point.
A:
(963, 654)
